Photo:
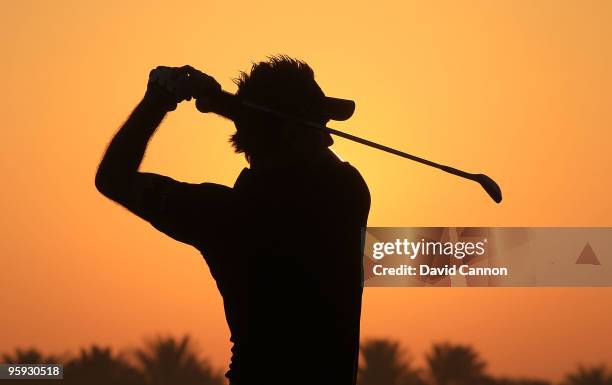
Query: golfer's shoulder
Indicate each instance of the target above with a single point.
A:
(203, 194)
(204, 188)
(353, 176)
(350, 181)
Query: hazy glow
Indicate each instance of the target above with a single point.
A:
(519, 90)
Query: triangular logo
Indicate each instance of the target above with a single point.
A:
(587, 256)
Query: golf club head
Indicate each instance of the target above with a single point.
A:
(489, 186)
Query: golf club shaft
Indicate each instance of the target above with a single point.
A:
(229, 106)
(369, 143)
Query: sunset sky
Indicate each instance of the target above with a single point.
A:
(519, 90)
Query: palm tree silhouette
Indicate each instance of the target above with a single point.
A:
(28, 356)
(383, 363)
(170, 361)
(449, 364)
(98, 365)
(597, 375)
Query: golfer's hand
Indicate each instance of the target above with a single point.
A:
(204, 88)
(169, 86)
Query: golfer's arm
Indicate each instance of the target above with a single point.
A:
(118, 177)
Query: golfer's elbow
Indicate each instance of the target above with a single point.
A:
(104, 183)
(109, 184)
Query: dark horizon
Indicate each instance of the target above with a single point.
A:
(166, 360)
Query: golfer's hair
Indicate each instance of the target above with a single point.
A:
(277, 83)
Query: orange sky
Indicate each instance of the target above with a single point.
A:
(519, 90)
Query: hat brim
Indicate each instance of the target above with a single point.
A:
(339, 109)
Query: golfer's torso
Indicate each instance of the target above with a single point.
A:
(290, 280)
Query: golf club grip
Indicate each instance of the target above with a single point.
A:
(223, 103)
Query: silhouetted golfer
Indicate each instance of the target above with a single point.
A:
(284, 243)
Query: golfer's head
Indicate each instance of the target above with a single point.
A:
(286, 85)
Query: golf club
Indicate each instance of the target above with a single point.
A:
(227, 104)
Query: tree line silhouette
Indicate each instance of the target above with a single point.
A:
(176, 361)
(384, 362)
(161, 361)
